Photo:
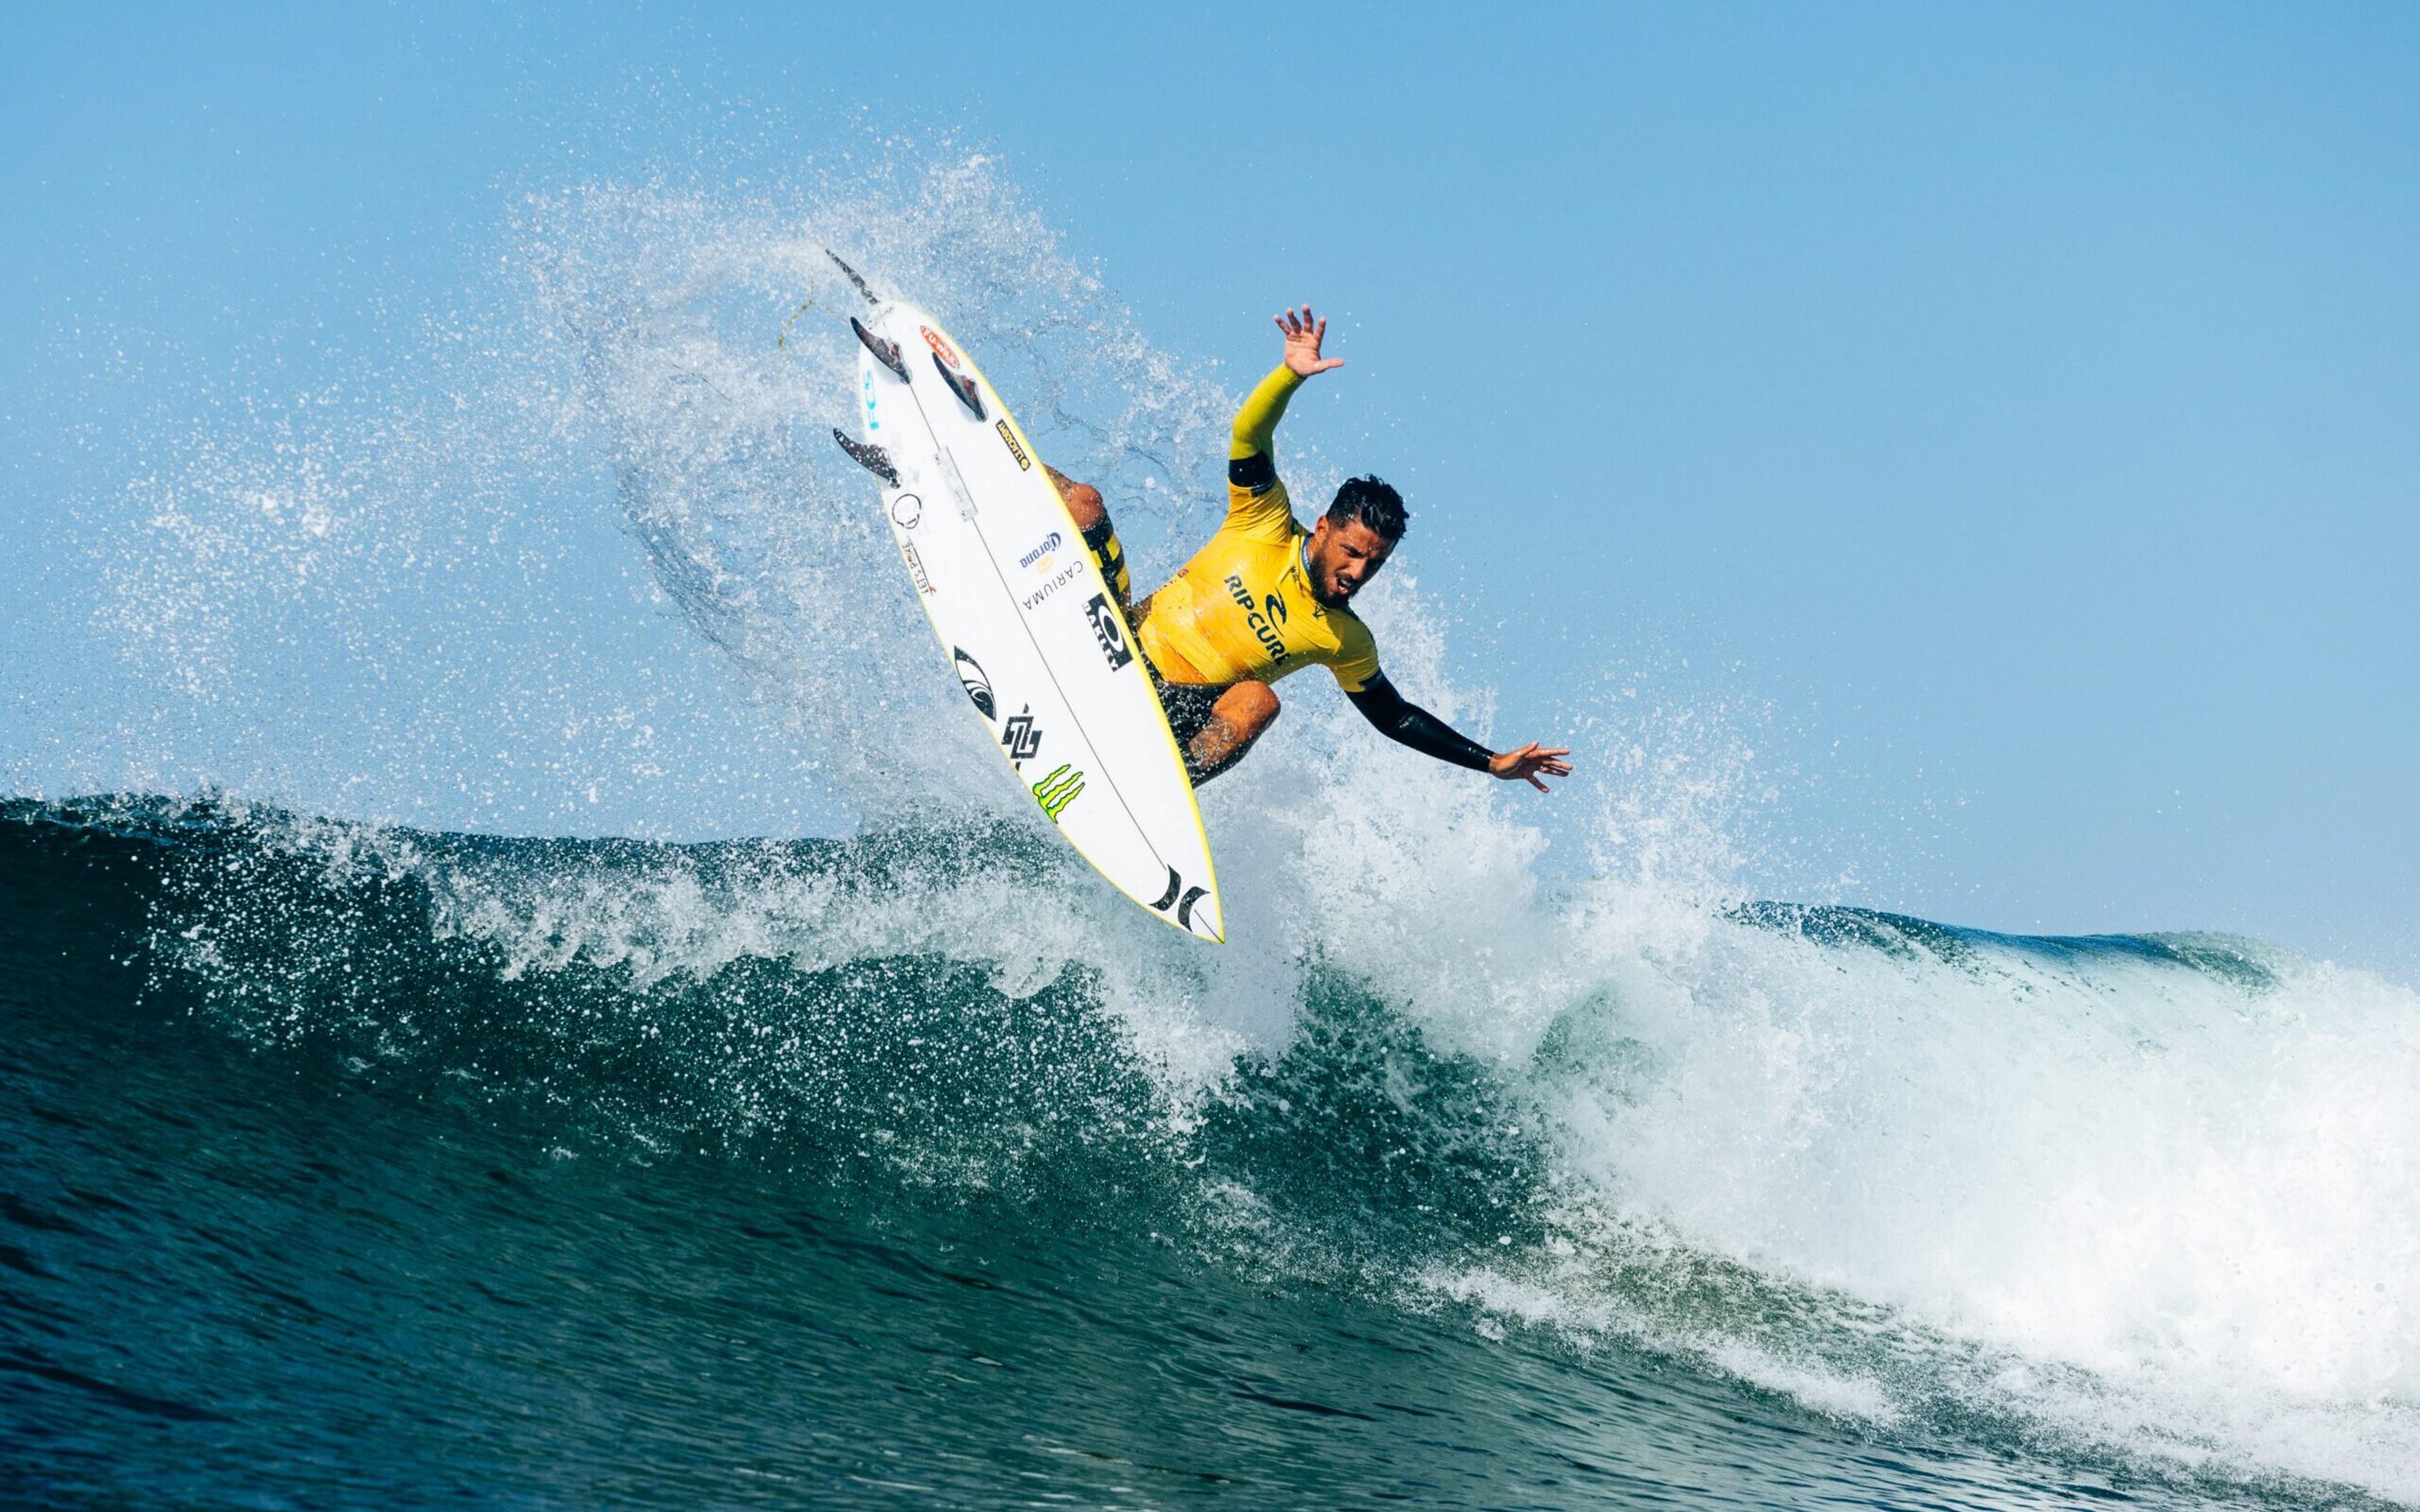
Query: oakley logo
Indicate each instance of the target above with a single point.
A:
(1106, 630)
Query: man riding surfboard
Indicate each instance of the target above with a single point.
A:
(1266, 597)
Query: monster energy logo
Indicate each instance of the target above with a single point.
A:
(1058, 790)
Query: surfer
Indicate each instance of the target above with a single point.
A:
(1266, 597)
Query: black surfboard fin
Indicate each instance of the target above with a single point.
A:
(886, 352)
(854, 282)
(961, 385)
(870, 457)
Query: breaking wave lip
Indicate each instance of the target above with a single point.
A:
(1652, 1169)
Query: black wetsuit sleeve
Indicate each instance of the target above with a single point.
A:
(1411, 725)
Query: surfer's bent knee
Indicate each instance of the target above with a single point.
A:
(1229, 724)
(1252, 704)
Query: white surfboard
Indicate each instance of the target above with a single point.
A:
(1026, 621)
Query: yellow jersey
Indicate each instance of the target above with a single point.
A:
(1242, 607)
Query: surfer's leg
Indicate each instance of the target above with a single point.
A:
(1240, 716)
(1091, 517)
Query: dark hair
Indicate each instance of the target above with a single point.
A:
(1375, 502)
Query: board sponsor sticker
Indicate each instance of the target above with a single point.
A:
(1040, 556)
(1055, 791)
(978, 687)
(1021, 737)
(1024, 463)
(1105, 630)
(1051, 584)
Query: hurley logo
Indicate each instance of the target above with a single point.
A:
(978, 687)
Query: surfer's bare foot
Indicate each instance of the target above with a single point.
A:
(1242, 715)
(1091, 517)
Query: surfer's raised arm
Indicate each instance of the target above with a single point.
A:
(1256, 423)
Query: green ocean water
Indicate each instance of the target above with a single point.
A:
(324, 1188)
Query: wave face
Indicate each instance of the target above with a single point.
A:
(602, 1170)
(831, 1169)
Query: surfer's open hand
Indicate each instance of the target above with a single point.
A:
(1303, 335)
(1524, 763)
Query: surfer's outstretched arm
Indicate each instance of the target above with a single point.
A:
(1256, 423)
(1407, 724)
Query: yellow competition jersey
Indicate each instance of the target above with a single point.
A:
(1242, 608)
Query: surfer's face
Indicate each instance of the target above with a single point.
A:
(1342, 558)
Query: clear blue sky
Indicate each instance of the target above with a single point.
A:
(2023, 402)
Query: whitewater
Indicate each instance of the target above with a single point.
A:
(539, 1165)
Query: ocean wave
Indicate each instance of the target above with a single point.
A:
(2113, 1199)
